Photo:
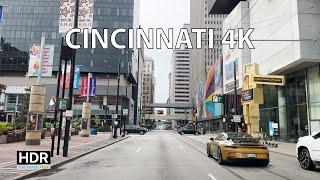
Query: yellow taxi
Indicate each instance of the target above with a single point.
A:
(237, 147)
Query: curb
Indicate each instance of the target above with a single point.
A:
(54, 166)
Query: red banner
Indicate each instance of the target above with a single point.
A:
(67, 85)
(84, 86)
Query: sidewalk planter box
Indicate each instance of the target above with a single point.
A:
(93, 131)
(3, 139)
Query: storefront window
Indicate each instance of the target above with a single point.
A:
(314, 98)
(296, 107)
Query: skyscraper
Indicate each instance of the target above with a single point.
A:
(24, 22)
(179, 77)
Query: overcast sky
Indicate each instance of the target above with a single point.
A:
(163, 14)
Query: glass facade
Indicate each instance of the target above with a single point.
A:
(24, 22)
(295, 107)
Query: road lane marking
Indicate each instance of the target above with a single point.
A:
(139, 150)
(211, 176)
(181, 147)
(8, 163)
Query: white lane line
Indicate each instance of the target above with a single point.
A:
(8, 163)
(139, 150)
(181, 147)
(211, 176)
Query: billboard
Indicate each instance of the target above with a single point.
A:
(47, 62)
(213, 88)
(67, 11)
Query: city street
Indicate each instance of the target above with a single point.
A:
(169, 156)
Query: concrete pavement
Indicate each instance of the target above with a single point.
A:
(77, 147)
(169, 156)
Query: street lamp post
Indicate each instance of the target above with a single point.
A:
(235, 95)
(117, 99)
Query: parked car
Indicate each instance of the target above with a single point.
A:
(135, 129)
(188, 130)
(308, 151)
(237, 147)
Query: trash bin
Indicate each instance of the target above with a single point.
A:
(93, 131)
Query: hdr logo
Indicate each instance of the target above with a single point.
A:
(30, 160)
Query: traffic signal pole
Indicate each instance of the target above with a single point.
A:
(73, 60)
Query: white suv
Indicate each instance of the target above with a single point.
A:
(308, 151)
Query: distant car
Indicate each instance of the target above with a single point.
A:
(188, 130)
(308, 151)
(237, 147)
(135, 129)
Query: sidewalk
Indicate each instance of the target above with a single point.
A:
(78, 146)
(288, 149)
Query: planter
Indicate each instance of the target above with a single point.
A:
(3, 139)
(93, 131)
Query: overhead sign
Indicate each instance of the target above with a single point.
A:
(247, 95)
(67, 12)
(268, 80)
(35, 59)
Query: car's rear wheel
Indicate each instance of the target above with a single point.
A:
(182, 133)
(141, 133)
(196, 133)
(126, 132)
(219, 156)
(208, 151)
(305, 159)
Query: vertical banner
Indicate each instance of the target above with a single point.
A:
(84, 86)
(34, 61)
(76, 82)
(67, 11)
(1, 15)
(67, 77)
(93, 86)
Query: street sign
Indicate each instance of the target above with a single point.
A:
(69, 113)
(115, 122)
(247, 95)
(125, 112)
(236, 118)
(217, 99)
(268, 80)
(114, 116)
(63, 104)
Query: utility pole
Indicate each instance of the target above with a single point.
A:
(73, 60)
(117, 99)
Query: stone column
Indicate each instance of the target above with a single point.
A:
(35, 115)
(282, 115)
(86, 117)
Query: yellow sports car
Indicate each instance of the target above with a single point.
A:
(237, 147)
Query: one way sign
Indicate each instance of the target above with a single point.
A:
(93, 86)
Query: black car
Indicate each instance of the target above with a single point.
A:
(188, 130)
(135, 129)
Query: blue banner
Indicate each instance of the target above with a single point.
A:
(76, 83)
(1, 14)
(93, 86)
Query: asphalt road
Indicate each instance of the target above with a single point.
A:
(168, 156)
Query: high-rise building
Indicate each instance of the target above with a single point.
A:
(290, 48)
(148, 84)
(25, 22)
(179, 77)
(201, 60)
